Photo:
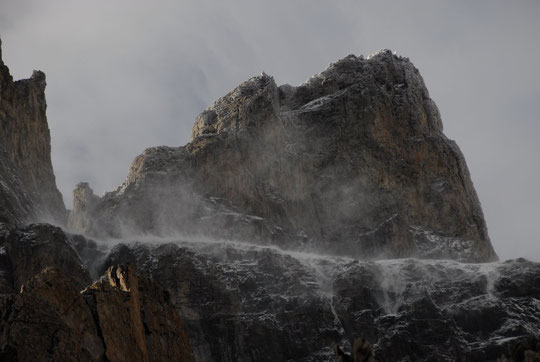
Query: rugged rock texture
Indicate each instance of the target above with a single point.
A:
(48, 320)
(136, 318)
(28, 190)
(44, 315)
(243, 302)
(352, 162)
(26, 250)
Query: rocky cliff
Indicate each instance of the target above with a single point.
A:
(248, 243)
(259, 226)
(50, 310)
(27, 184)
(244, 302)
(352, 162)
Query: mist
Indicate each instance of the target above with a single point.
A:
(125, 76)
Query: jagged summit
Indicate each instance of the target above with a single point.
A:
(351, 162)
(240, 104)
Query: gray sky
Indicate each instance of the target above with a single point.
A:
(126, 75)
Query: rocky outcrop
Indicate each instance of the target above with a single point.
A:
(28, 190)
(45, 315)
(48, 320)
(352, 162)
(136, 318)
(243, 302)
(26, 250)
(84, 201)
(48, 311)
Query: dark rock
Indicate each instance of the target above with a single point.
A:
(526, 350)
(246, 302)
(136, 318)
(120, 318)
(27, 250)
(240, 304)
(361, 352)
(90, 252)
(28, 190)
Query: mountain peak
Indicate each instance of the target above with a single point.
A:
(351, 162)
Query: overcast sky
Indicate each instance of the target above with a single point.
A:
(126, 75)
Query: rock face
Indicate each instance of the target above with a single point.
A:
(48, 311)
(136, 318)
(27, 250)
(243, 302)
(352, 162)
(84, 200)
(45, 315)
(28, 190)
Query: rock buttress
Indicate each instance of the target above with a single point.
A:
(28, 190)
(352, 162)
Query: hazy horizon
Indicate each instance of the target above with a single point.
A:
(129, 75)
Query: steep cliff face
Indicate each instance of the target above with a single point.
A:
(244, 302)
(50, 310)
(27, 184)
(352, 162)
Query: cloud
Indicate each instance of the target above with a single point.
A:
(126, 75)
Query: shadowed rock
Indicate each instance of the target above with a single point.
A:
(121, 318)
(361, 352)
(244, 302)
(28, 190)
(136, 318)
(26, 250)
(45, 316)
